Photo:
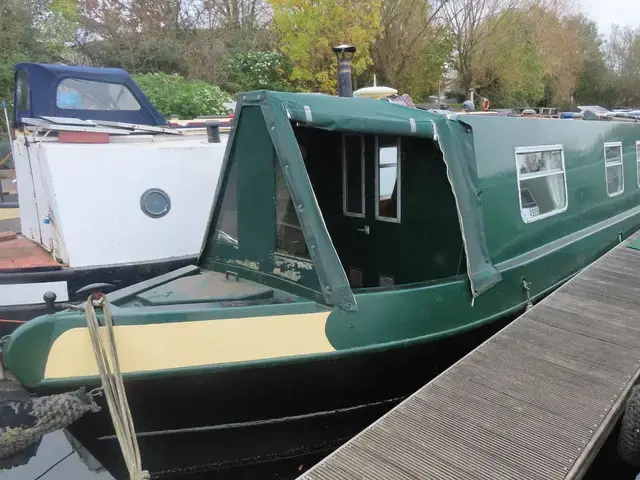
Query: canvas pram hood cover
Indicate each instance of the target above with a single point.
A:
(37, 93)
(454, 137)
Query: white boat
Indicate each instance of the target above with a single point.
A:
(109, 192)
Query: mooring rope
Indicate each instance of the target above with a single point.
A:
(113, 385)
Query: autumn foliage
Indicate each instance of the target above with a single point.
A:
(515, 52)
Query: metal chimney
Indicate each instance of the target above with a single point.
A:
(344, 53)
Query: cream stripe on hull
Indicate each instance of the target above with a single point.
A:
(164, 346)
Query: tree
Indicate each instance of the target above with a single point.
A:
(32, 30)
(622, 55)
(141, 36)
(594, 83)
(236, 14)
(475, 24)
(560, 47)
(508, 68)
(411, 50)
(307, 29)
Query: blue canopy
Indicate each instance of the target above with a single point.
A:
(88, 93)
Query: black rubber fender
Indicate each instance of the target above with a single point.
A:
(629, 437)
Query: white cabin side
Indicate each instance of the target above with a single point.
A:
(29, 223)
(82, 202)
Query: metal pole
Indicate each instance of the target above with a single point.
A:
(6, 119)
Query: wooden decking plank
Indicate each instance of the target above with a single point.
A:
(546, 385)
(533, 402)
(584, 324)
(511, 455)
(597, 352)
(553, 366)
(618, 316)
(596, 362)
(548, 440)
(627, 252)
(402, 453)
(606, 289)
(477, 453)
(621, 260)
(385, 449)
(606, 373)
(372, 465)
(576, 352)
(560, 361)
(540, 396)
(537, 412)
(331, 471)
(612, 279)
(563, 383)
(616, 266)
(617, 305)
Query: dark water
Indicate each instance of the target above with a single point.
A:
(58, 458)
(79, 466)
(53, 448)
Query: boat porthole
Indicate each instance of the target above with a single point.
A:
(155, 203)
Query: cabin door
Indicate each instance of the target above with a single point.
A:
(371, 208)
(355, 226)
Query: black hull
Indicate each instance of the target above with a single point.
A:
(120, 276)
(267, 422)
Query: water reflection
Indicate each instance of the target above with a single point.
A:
(75, 463)
(53, 448)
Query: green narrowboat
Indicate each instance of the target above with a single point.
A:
(357, 248)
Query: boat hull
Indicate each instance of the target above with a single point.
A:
(276, 419)
(39, 282)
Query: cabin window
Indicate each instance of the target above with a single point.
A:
(541, 181)
(613, 168)
(353, 175)
(76, 94)
(289, 236)
(638, 162)
(23, 97)
(388, 179)
(227, 227)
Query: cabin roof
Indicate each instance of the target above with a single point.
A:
(362, 115)
(43, 82)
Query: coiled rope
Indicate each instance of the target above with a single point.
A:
(113, 384)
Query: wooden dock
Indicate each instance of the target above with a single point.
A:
(535, 401)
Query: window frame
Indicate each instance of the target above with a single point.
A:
(345, 184)
(607, 165)
(638, 162)
(398, 217)
(526, 176)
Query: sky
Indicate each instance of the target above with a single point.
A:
(608, 12)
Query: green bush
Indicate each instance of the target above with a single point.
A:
(174, 95)
(255, 71)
